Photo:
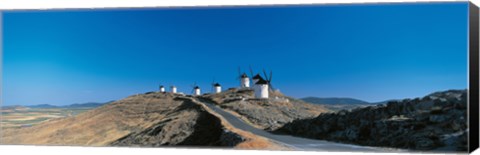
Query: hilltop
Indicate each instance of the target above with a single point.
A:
(265, 114)
(434, 122)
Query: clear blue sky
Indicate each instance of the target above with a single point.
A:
(370, 52)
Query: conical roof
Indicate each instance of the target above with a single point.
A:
(216, 85)
(261, 81)
(196, 87)
(244, 75)
(257, 77)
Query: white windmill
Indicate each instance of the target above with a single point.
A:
(195, 90)
(244, 80)
(216, 87)
(173, 89)
(263, 86)
(162, 89)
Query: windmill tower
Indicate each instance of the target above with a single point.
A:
(244, 81)
(217, 87)
(195, 89)
(261, 88)
(162, 89)
(173, 89)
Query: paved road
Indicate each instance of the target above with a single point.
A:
(297, 143)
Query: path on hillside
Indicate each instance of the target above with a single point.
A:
(297, 143)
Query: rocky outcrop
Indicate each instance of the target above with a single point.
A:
(268, 114)
(190, 125)
(436, 121)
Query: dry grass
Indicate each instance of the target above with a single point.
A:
(255, 142)
(97, 127)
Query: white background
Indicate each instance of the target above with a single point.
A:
(66, 150)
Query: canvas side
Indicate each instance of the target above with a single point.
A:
(473, 78)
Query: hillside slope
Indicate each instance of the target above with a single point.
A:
(152, 119)
(269, 114)
(434, 122)
(189, 125)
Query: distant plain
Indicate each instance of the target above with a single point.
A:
(16, 117)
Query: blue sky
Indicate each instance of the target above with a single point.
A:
(371, 52)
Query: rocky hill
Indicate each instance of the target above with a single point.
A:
(42, 106)
(152, 119)
(434, 122)
(265, 114)
(85, 105)
(333, 100)
(338, 103)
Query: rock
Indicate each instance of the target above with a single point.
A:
(436, 110)
(342, 112)
(351, 134)
(423, 143)
(410, 124)
(228, 138)
(437, 118)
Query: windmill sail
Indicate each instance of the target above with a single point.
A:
(269, 80)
